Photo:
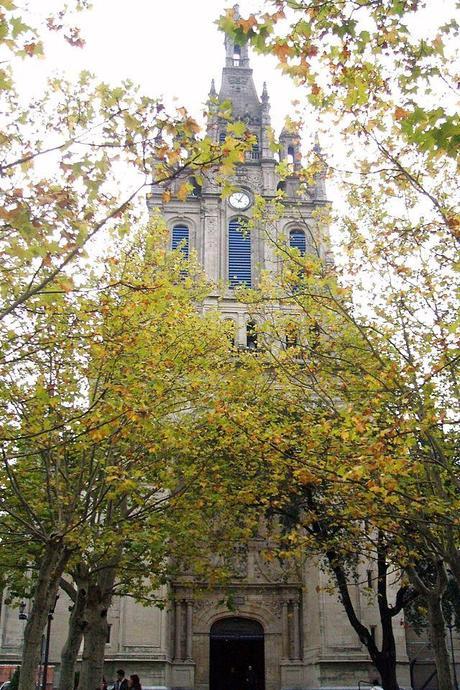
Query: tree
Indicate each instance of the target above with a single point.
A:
(378, 72)
(94, 470)
(344, 449)
(63, 161)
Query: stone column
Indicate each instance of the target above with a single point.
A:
(296, 629)
(285, 629)
(177, 631)
(189, 630)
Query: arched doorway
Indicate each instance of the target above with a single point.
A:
(236, 655)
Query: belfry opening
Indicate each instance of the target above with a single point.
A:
(236, 655)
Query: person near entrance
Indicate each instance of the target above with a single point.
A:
(121, 682)
(250, 679)
(134, 682)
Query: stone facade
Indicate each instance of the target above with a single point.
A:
(305, 639)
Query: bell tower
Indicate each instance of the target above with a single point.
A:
(212, 226)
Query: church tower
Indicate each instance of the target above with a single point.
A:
(285, 626)
(210, 225)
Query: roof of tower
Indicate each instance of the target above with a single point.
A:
(237, 83)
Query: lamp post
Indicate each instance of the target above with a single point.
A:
(22, 611)
(47, 643)
(450, 627)
(22, 615)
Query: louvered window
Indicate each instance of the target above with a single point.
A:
(297, 241)
(239, 254)
(180, 238)
(222, 137)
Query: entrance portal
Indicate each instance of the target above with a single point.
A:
(236, 658)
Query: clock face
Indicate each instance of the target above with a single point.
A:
(240, 200)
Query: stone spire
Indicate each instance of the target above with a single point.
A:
(265, 123)
(212, 119)
(317, 145)
(212, 90)
(264, 97)
(320, 177)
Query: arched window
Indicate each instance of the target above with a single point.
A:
(236, 55)
(291, 157)
(237, 628)
(180, 238)
(222, 136)
(297, 241)
(255, 152)
(239, 254)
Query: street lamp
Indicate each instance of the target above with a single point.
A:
(22, 611)
(450, 627)
(47, 643)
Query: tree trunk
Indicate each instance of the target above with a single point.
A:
(385, 660)
(437, 631)
(69, 654)
(386, 667)
(98, 602)
(453, 557)
(93, 651)
(51, 568)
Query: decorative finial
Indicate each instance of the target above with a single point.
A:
(212, 90)
(264, 96)
(317, 145)
(236, 12)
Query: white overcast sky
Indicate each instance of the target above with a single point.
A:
(172, 48)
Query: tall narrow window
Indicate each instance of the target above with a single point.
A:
(196, 191)
(222, 136)
(370, 579)
(291, 157)
(180, 238)
(255, 153)
(297, 241)
(239, 254)
(251, 336)
(236, 55)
